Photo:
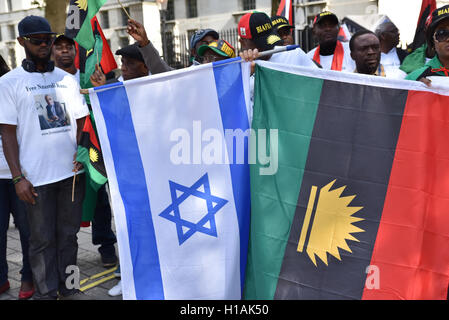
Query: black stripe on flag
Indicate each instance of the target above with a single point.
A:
(354, 140)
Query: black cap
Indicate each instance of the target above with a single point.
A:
(437, 16)
(280, 22)
(34, 25)
(325, 15)
(131, 51)
(257, 27)
(200, 34)
(62, 36)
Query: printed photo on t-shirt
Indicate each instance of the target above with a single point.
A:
(52, 113)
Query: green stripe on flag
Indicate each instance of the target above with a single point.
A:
(288, 103)
(85, 36)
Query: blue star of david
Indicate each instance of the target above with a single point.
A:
(184, 228)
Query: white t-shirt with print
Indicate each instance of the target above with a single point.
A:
(326, 61)
(44, 107)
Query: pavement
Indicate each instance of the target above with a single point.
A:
(89, 264)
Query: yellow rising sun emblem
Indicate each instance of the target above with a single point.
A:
(332, 224)
(93, 155)
(82, 4)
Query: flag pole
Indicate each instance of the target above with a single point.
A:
(73, 187)
(124, 9)
(277, 50)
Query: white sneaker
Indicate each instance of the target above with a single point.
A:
(116, 290)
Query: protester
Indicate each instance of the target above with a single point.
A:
(10, 204)
(365, 50)
(256, 35)
(133, 64)
(64, 52)
(418, 58)
(201, 37)
(43, 171)
(284, 29)
(438, 37)
(151, 56)
(216, 51)
(391, 56)
(331, 53)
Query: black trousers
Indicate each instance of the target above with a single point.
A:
(54, 223)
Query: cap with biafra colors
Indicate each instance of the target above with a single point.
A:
(257, 27)
(221, 47)
(325, 15)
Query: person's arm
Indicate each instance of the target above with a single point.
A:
(24, 189)
(153, 60)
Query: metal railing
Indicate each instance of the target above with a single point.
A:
(178, 51)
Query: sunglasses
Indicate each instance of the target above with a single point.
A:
(38, 42)
(441, 35)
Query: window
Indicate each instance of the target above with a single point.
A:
(12, 32)
(123, 42)
(8, 5)
(104, 16)
(171, 10)
(192, 11)
(249, 4)
(12, 58)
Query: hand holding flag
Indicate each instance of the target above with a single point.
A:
(137, 31)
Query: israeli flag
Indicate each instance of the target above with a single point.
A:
(179, 180)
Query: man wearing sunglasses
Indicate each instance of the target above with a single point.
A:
(41, 159)
(439, 39)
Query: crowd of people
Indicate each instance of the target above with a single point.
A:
(43, 187)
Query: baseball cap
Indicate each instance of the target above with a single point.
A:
(279, 22)
(200, 34)
(257, 27)
(437, 16)
(61, 37)
(34, 25)
(325, 15)
(222, 47)
(131, 51)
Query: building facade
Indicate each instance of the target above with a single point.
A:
(183, 17)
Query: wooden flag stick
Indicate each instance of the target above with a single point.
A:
(73, 188)
(124, 9)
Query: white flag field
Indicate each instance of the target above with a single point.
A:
(178, 174)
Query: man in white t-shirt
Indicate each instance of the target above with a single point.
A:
(11, 205)
(41, 159)
(331, 53)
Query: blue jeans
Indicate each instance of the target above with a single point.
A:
(9, 203)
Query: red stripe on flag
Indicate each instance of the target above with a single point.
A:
(107, 62)
(432, 4)
(285, 10)
(412, 245)
(107, 58)
(92, 136)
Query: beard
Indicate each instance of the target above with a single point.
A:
(38, 60)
